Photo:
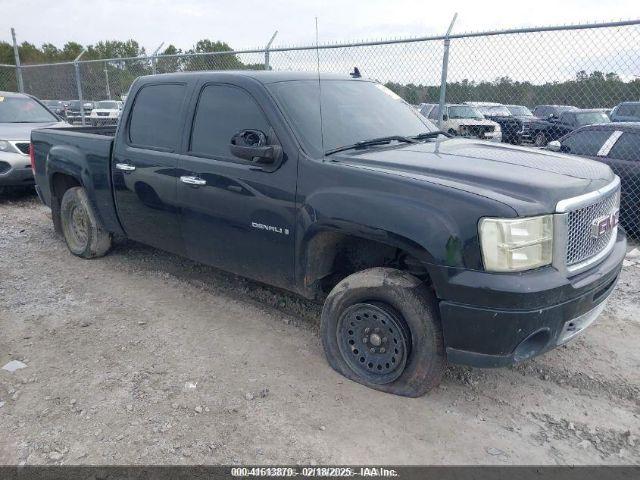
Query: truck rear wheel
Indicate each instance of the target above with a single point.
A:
(82, 231)
(380, 328)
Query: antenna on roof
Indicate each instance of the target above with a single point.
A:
(355, 73)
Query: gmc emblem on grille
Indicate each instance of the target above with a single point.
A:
(603, 225)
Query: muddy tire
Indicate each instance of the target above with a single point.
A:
(380, 327)
(82, 231)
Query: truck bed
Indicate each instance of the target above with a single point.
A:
(81, 153)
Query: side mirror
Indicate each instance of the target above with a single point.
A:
(445, 118)
(252, 145)
(554, 146)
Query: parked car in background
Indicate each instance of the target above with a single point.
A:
(547, 112)
(568, 121)
(105, 112)
(467, 121)
(56, 106)
(626, 112)
(617, 145)
(426, 108)
(515, 128)
(19, 115)
(74, 115)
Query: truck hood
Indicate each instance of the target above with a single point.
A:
(530, 181)
(22, 131)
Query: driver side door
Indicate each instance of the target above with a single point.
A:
(236, 214)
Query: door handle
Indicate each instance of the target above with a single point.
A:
(193, 180)
(125, 167)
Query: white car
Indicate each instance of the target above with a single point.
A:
(467, 121)
(106, 112)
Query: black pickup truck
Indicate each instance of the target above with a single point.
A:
(423, 248)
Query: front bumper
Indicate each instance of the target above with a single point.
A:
(18, 172)
(494, 320)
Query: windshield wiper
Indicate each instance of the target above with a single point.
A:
(426, 135)
(370, 143)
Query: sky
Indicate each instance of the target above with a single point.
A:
(250, 23)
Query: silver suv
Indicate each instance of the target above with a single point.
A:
(19, 114)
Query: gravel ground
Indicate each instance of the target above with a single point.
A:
(145, 357)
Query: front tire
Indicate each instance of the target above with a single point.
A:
(540, 140)
(380, 327)
(83, 233)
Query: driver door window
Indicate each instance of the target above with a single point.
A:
(222, 111)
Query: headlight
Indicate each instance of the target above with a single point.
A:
(7, 147)
(516, 244)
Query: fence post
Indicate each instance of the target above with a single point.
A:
(76, 65)
(106, 78)
(443, 78)
(153, 58)
(16, 54)
(266, 50)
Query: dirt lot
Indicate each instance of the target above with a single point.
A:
(144, 357)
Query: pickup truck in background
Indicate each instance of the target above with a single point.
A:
(569, 120)
(424, 249)
(466, 121)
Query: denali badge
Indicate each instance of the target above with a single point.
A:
(270, 228)
(603, 225)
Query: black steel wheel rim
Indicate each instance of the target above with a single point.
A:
(374, 340)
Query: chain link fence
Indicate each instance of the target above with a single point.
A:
(490, 84)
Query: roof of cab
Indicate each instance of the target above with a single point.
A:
(259, 75)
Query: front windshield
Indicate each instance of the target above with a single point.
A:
(495, 110)
(519, 111)
(352, 111)
(107, 105)
(589, 118)
(23, 110)
(465, 111)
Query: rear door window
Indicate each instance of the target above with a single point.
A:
(155, 121)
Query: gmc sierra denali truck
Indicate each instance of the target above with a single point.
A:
(424, 249)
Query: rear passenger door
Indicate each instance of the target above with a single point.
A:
(235, 214)
(144, 165)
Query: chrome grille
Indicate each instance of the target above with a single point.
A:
(581, 244)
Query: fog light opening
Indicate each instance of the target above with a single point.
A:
(532, 345)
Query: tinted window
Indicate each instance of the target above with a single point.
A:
(627, 147)
(222, 112)
(567, 118)
(155, 118)
(586, 142)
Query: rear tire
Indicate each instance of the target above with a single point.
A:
(380, 327)
(82, 231)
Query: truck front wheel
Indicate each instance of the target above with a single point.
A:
(380, 328)
(82, 231)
